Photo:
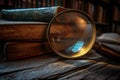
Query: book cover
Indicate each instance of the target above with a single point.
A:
(22, 31)
(44, 14)
(110, 38)
(20, 50)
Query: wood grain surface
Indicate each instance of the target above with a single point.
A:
(54, 67)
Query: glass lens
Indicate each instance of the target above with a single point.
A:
(71, 33)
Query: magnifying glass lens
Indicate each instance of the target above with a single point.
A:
(70, 34)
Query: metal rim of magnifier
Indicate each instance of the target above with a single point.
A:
(85, 49)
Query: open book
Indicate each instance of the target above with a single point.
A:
(112, 38)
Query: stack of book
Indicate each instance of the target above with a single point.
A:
(24, 39)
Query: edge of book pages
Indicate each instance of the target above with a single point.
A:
(5, 22)
(113, 38)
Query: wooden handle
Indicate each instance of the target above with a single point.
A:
(106, 51)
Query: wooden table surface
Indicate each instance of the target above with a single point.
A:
(51, 66)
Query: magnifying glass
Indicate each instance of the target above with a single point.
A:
(72, 33)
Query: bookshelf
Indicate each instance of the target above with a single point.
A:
(115, 19)
(105, 13)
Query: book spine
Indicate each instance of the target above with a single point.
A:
(10, 2)
(60, 3)
(119, 16)
(34, 4)
(44, 3)
(21, 50)
(99, 14)
(41, 3)
(83, 5)
(104, 17)
(70, 5)
(90, 9)
(31, 14)
(52, 2)
(16, 3)
(29, 3)
(21, 3)
(76, 4)
(26, 32)
(37, 3)
(48, 3)
(115, 13)
(24, 3)
(64, 3)
(55, 2)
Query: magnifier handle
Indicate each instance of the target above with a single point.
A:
(106, 51)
